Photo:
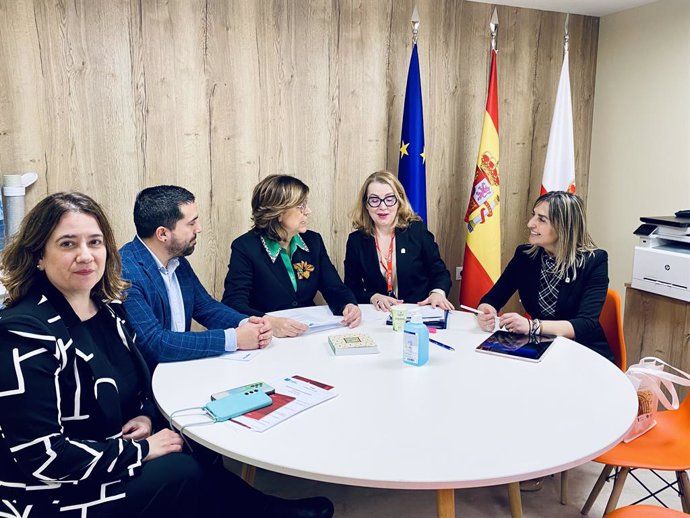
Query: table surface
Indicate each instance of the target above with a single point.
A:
(465, 419)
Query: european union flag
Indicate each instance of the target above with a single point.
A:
(412, 165)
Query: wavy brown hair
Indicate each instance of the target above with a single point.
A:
(272, 196)
(19, 259)
(360, 215)
(567, 216)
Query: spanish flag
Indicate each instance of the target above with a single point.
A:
(482, 262)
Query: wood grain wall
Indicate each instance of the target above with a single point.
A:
(110, 96)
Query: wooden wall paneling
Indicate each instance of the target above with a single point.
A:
(584, 36)
(449, 154)
(358, 85)
(177, 121)
(111, 97)
(473, 44)
(86, 60)
(235, 84)
(22, 117)
(532, 109)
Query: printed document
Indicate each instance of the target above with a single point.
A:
(292, 395)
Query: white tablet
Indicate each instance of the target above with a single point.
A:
(523, 347)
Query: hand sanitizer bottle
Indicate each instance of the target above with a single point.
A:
(415, 341)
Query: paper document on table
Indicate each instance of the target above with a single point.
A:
(240, 356)
(317, 321)
(431, 313)
(292, 395)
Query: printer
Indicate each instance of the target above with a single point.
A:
(661, 263)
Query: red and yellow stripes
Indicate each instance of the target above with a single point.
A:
(482, 261)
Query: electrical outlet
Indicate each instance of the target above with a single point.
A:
(458, 273)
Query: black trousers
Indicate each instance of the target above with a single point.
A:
(177, 484)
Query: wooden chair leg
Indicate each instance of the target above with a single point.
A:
(248, 473)
(515, 500)
(596, 489)
(684, 486)
(617, 490)
(445, 503)
(564, 487)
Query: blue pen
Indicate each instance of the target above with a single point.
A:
(441, 345)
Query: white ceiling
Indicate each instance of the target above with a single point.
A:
(588, 7)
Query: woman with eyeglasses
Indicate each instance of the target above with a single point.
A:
(279, 264)
(391, 257)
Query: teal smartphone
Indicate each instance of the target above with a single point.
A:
(237, 404)
(264, 387)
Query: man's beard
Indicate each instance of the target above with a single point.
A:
(178, 249)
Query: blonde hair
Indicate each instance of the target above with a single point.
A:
(20, 257)
(361, 220)
(567, 216)
(271, 197)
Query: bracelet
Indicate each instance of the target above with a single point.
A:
(537, 327)
(530, 324)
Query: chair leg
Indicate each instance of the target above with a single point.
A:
(684, 486)
(564, 487)
(515, 500)
(596, 489)
(445, 503)
(617, 490)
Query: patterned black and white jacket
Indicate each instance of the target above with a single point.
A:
(61, 445)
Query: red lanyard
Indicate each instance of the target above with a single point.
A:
(388, 267)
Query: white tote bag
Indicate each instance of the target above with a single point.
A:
(648, 377)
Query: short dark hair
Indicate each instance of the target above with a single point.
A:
(19, 259)
(159, 206)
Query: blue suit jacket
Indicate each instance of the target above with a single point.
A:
(148, 309)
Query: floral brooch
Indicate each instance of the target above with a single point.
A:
(303, 269)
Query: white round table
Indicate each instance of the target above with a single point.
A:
(465, 419)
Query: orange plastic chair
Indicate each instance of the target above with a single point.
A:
(611, 321)
(645, 511)
(666, 447)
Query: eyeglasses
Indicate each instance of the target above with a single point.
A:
(389, 201)
(303, 207)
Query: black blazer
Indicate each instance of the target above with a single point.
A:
(255, 285)
(580, 297)
(419, 266)
(53, 386)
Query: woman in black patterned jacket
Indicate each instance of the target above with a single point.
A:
(561, 277)
(75, 408)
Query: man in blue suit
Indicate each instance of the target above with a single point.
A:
(164, 298)
(166, 294)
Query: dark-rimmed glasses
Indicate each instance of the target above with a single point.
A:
(389, 201)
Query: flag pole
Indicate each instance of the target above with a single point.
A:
(493, 27)
(415, 25)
